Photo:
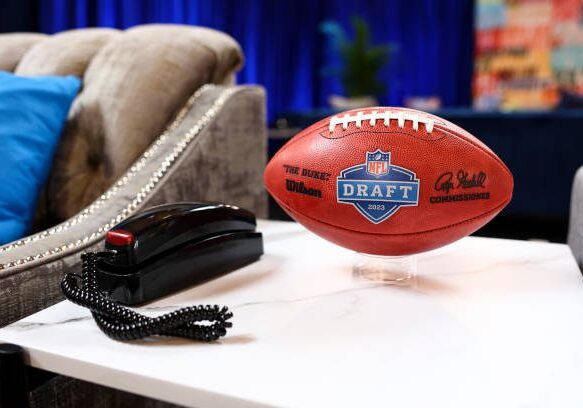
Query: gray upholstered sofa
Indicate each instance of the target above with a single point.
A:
(158, 120)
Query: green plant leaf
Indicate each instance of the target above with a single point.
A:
(361, 61)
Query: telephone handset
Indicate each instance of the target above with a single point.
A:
(173, 246)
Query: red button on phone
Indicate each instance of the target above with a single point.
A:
(120, 237)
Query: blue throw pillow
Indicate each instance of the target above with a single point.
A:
(33, 111)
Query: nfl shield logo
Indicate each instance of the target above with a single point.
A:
(378, 163)
(377, 188)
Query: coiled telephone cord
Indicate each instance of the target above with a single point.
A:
(203, 323)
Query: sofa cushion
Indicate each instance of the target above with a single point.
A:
(133, 87)
(66, 53)
(33, 111)
(14, 46)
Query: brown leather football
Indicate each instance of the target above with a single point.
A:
(388, 181)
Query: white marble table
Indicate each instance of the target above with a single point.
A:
(487, 322)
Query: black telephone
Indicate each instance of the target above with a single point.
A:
(174, 246)
(159, 251)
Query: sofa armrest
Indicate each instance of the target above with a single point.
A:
(214, 150)
(575, 236)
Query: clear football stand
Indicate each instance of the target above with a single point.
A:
(390, 270)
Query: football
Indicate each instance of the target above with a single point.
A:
(388, 181)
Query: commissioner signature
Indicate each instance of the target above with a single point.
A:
(446, 181)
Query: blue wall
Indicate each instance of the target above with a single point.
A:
(285, 51)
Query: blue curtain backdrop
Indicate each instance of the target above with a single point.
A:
(285, 50)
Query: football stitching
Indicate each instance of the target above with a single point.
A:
(386, 116)
(393, 132)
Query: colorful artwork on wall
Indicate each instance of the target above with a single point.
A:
(527, 52)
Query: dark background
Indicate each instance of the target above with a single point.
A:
(284, 49)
